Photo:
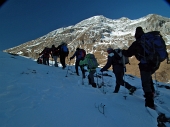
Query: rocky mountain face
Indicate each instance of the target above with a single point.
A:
(98, 33)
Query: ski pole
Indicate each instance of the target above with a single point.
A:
(103, 83)
(102, 79)
(97, 79)
(156, 85)
(82, 75)
(124, 68)
(53, 61)
(168, 60)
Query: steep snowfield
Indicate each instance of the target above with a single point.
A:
(33, 95)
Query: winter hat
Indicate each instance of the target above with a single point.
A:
(62, 43)
(109, 50)
(139, 32)
(77, 49)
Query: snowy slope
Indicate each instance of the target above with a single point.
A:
(33, 95)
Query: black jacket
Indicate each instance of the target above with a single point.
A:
(112, 60)
(137, 50)
(55, 51)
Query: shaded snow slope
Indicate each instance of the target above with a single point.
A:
(33, 95)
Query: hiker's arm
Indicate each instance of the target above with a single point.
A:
(132, 50)
(73, 55)
(108, 64)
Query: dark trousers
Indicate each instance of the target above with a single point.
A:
(119, 73)
(91, 77)
(46, 60)
(62, 60)
(81, 67)
(147, 83)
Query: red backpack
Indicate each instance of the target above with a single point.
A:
(82, 53)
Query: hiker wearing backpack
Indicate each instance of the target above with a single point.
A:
(63, 53)
(80, 55)
(45, 55)
(118, 69)
(91, 63)
(55, 54)
(149, 59)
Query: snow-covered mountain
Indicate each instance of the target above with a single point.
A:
(97, 33)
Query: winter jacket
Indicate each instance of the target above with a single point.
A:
(112, 60)
(78, 55)
(55, 51)
(137, 50)
(46, 52)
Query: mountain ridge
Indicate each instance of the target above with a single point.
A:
(96, 34)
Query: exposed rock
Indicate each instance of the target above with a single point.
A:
(96, 34)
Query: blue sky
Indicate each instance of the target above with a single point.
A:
(25, 20)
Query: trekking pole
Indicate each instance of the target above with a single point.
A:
(97, 79)
(103, 84)
(124, 68)
(67, 69)
(82, 75)
(168, 60)
(157, 93)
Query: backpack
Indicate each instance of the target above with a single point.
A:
(122, 59)
(91, 61)
(82, 53)
(64, 48)
(39, 60)
(154, 48)
(46, 52)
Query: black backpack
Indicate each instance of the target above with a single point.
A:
(122, 59)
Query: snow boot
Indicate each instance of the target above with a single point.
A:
(93, 85)
(89, 81)
(149, 100)
(132, 90)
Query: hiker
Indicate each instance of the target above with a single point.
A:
(91, 66)
(63, 53)
(146, 69)
(45, 55)
(80, 55)
(118, 70)
(55, 54)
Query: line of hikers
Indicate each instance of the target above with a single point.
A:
(55, 52)
(149, 62)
